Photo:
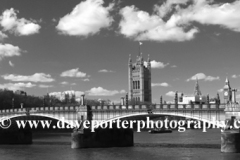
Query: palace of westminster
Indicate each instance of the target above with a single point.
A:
(139, 82)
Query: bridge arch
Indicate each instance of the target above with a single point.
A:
(68, 122)
(214, 122)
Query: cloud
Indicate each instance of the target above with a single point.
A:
(155, 64)
(73, 73)
(235, 76)
(11, 64)
(140, 25)
(172, 94)
(21, 27)
(87, 18)
(8, 50)
(173, 66)
(203, 77)
(164, 84)
(86, 80)
(17, 86)
(2, 35)
(99, 91)
(64, 83)
(175, 20)
(44, 86)
(220, 90)
(37, 77)
(105, 71)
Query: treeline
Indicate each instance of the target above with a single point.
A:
(10, 100)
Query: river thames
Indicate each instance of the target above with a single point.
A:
(191, 144)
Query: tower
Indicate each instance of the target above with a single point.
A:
(197, 91)
(227, 92)
(139, 80)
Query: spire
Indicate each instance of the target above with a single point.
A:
(130, 59)
(197, 91)
(227, 84)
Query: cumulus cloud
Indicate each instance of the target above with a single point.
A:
(164, 84)
(21, 27)
(17, 86)
(105, 71)
(73, 73)
(8, 50)
(155, 64)
(220, 90)
(99, 91)
(37, 77)
(87, 18)
(11, 64)
(173, 20)
(203, 77)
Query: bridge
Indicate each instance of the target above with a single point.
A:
(202, 112)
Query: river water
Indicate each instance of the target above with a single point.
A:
(191, 144)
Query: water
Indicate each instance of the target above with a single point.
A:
(192, 144)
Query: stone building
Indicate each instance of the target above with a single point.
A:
(139, 79)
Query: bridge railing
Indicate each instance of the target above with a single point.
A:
(123, 107)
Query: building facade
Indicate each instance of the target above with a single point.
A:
(139, 79)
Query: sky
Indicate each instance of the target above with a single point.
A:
(61, 45)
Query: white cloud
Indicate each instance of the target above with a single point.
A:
(10, 22)
(105, 71)
(8, 50)
(173, 66)
(164, 84)
(235, 76)
(64, 83)
(173, 20)
(203, 77)
(139, 25)
(44, 86)
(11, 64)
(172, 94)
(220, 90)
(155, 64)
(73, 73)
(17, 86)
(99, 91)
(86, 80)
(2, 35)
(87, 18)
(37, 77)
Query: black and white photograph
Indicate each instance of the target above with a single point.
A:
(120, 79)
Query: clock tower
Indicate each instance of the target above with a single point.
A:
(227, 92)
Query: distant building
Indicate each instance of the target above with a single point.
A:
(197, 97)
(229, 94)
(63, 95)
(139, 79)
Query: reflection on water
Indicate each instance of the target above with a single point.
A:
(192, 144)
